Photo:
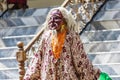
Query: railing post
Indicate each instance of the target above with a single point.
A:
(21, 57)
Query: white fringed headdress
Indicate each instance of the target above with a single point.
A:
(71, 23)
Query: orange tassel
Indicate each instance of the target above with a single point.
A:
(58, 42)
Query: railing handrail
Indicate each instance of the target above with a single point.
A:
(65, 3)
(41, 31)
(34, 39)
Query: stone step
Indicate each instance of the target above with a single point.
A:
(102, 25)
(8, 62)
(9, 79)
(28, 12)
(107, 15)
(111, 69)
(12, 40)
(100, 35)
(8, 52)
(22, 21)
(9, 73)
(104, 57)
(106, 20)
(116, 77)
(19, 30)
(102, 46)
(113, 5)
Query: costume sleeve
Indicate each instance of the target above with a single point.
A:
(34, 68)
(83, 66)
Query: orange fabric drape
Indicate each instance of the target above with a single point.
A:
(57, 43)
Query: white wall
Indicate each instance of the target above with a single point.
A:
(44, 3)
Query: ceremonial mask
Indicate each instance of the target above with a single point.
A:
(55, 20)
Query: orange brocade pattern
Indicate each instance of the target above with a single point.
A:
(57, 43)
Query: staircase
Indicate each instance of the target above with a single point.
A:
(17, 26)
(102, 39)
